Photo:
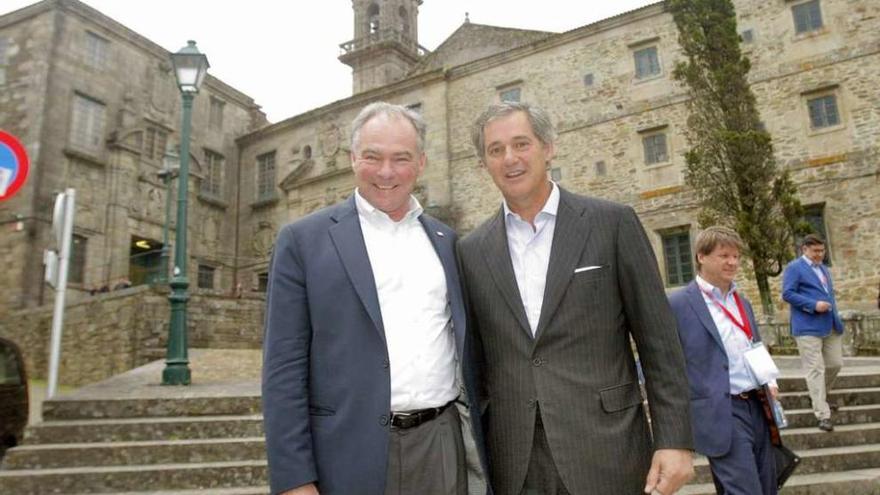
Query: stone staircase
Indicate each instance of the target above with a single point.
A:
(845, 461)
(131, 446)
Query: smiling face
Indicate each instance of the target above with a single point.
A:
(387, 162)
(517, 161)
(720, 267)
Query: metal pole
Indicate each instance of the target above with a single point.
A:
(60, 291)
(168, 180)
(177, 370)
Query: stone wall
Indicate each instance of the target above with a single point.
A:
(110, 333)
(861, 335)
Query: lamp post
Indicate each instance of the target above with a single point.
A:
(170, 168)
(190, 68)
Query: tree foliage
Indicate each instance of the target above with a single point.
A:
(730, 165)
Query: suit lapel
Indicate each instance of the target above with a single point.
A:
(349, 241)
(497, 256)
(445, 251)
(813, 276)
(698, 304)
(569, 238)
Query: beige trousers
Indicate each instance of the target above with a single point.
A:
(821, 360)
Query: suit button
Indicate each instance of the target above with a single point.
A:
(385, 364)
(383, 420)
(531, 403)
(537, 362)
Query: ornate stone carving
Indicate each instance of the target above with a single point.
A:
(262, 239)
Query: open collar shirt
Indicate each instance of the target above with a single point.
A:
(414, 304)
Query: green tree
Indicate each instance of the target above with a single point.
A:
(730, 165)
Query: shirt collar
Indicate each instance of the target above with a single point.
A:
(810, 262)
(707, 287)
(370, 212)
(551, 206)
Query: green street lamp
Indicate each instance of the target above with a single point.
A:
(190, 68)
(170, 167)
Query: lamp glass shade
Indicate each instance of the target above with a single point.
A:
(190, 67)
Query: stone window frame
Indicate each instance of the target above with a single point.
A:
(155, 143)
(647, 46)
(805, 26)
(88, 122)
(823, 93)
(510, 88)
(215, 113)
(96, 50)
(266, 173)
(646, 138)
(206, 276)
(678, 255)
(211, 185)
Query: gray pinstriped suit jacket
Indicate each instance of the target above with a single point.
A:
(579, 368)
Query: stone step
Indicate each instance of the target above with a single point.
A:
(141, 429)
(803, 418)
(45, 456)
(842, 396)
(862, 380)
(824, 460)
(814, 438)
(855, 482)
(66, 409)
(114, 479)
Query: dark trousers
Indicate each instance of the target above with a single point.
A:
(748, 468)
(542, 478)
(428, 459)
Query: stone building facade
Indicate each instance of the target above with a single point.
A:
(96, 106)
(608, 86)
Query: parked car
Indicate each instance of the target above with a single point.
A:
(13, 396)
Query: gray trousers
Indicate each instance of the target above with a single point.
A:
(428, 459)
(821, 360)
(542, 477)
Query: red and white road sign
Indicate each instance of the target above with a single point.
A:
(13, 165)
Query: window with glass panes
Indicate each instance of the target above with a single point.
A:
(212, 184)
(807, 16)
(647, 62)
(96, 50)
(678, 257)
(155, 141)
(215, 117)
(655, 148)
(510, 94)
(266, 176)
(206, 277)
(87, 124)
(77, 270)
(823, 111)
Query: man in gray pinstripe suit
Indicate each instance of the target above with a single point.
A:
(557, 284)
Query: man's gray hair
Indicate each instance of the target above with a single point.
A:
(542, 126)
(388, 109)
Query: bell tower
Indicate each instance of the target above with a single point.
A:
(385, 44)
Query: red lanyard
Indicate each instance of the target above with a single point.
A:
(743, 322)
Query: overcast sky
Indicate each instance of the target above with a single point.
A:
(283, 52)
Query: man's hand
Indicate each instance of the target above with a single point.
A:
(774, 391)
(670, 469)
(309, 489)
(822, 306)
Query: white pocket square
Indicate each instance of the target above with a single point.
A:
(587, 268)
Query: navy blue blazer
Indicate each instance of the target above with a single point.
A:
(707, 369)
(802, 289)
(326, 380)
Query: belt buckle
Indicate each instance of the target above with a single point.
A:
(406, 420)
(744, 395)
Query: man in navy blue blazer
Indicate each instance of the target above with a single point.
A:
(815, 324)
(365, 327)
(716, 327)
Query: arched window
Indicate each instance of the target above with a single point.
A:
(373, 18)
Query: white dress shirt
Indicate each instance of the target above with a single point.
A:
(817, 269)
(530, 253)
(735, 341)
(414, 303)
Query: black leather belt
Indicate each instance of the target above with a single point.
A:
(746, 395)
(411, 419)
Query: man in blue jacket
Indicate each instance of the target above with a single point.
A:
(815, 323)
(717, 327)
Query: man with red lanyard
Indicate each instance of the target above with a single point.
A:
(717, 328)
